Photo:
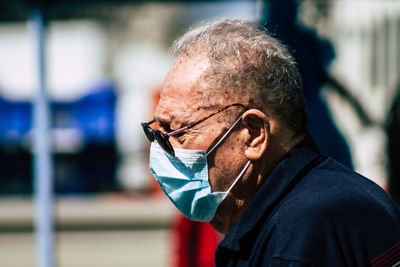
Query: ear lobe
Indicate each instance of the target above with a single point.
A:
(258, 128)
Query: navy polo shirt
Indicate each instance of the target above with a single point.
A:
(313, 211)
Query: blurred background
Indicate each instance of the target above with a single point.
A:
(105, 63)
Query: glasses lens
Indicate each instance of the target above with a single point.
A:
(162, 140)
(148, 132)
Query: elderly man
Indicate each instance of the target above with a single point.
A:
(231, 148)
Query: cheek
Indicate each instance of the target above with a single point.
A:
(224, 166)
(217, 178)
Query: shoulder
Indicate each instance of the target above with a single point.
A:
(333, 211)
(332, 192)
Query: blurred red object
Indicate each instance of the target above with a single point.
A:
(193, 243)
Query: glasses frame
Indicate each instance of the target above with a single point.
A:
(163, 138)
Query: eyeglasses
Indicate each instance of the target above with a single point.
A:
(163, 138)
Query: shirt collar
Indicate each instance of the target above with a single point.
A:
(284, 176)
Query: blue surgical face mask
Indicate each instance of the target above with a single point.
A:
(184, 179)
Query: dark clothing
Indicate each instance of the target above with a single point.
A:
(313, 211)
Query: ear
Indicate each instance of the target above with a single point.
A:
(257, 125)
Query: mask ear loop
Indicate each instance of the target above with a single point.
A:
(223, 137)
(240, 175)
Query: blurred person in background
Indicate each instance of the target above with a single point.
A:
(232, 149)
(313, 56)
(393, 130)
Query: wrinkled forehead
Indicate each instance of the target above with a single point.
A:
(187, 70)
(182, 90)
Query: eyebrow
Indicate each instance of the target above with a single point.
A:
(166, 125)
(160, 122)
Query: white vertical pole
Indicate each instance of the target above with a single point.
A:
(43, 183)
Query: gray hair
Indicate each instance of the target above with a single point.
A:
(249, 66)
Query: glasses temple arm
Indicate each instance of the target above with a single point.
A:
(177, 131)
(223, 137)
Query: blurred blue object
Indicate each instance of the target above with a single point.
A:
(15, 121)
(91, 168)
(93, 114)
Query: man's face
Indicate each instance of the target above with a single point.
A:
(181, 103)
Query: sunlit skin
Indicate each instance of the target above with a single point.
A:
(181, 104)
